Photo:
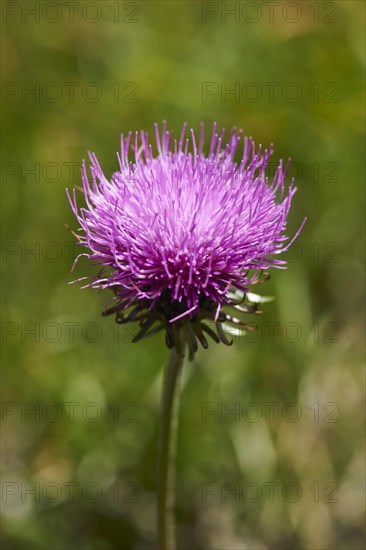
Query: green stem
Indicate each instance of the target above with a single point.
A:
(167, 452)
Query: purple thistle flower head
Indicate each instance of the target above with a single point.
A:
(183, 233)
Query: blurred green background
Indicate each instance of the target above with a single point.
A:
(80, 401)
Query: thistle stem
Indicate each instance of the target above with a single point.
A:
(167, 452)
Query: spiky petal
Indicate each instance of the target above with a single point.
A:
(181, 227)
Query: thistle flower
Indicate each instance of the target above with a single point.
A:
(183, 234)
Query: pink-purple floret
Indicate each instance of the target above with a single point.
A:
(182, 220)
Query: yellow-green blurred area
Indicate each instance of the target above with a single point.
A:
(270, 442)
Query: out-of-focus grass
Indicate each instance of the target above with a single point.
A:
(293, 452)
